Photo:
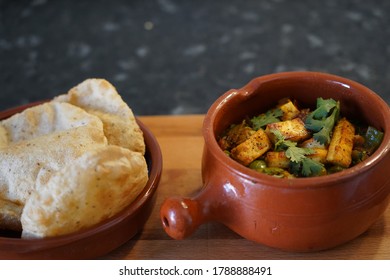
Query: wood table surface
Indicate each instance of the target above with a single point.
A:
(181, 142)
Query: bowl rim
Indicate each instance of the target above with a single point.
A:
(299, 183)
(153, 154)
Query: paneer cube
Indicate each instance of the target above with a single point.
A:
(293, 130)
(277, 159)
(235, 136)
(319, 155)
(341, 144)
(290, 111)
(254, 147)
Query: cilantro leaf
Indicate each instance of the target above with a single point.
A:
(324, 106)
(293, 152)
(299, 163)
(297, 154)
(322, 120)
(281, 144)
(323, 136)
(271, 116)
(307, 167)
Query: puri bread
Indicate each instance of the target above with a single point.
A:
(26, 162)
(70, 163)
(94, 187)
(54, 134)
(45, 119)
(100, 98)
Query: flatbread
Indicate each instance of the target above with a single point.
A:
(94, 187)
(53, 135)
(100, 98)
(45, 119)
(70, 163)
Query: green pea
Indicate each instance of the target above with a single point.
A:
(257, 164)
(276, 172)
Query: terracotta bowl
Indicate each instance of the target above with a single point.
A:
(303, 214)
(100, 239)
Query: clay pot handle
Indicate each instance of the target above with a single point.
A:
(180, 217)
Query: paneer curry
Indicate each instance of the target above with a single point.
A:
(288, 141)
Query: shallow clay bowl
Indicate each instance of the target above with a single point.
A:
(102, 238)
(302, 214)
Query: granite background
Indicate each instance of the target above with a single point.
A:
(177, 57)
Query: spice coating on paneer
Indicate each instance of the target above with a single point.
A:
(277, 159)
(290, 111)
(254, 147)
(341, 144)
(319, 154)
(236, 135)
(293, 130)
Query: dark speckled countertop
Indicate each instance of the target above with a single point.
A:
(177, 57)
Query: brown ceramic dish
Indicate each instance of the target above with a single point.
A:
(100, 239)
(302, 214)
